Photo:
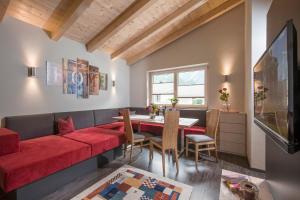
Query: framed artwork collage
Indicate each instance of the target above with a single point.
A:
(77, 77)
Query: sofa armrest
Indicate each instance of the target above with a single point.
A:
(9, 141)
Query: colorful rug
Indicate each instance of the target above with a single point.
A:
(130, 183)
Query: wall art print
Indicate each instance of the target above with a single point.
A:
(54, 74)
(82, 79)
(69, 76)
(103, 81)
(94, 78)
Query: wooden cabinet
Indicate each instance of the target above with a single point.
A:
(232, 135)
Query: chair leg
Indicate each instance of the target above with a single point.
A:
(141, 146)
(163, 161)
(187, 147)
(131, 148)
(176, 159)
(151, 151)
(208, 151)
(196, 154)
(216, 153)
(125, 149)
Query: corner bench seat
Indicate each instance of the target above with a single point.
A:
(38, 158)
(100, 139)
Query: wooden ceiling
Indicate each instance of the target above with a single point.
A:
(128, 29)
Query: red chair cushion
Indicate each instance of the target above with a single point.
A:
(9, 142)
(65, 125)
(38, 158)
(100, 139)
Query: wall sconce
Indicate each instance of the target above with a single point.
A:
(226, 78)
(114, 83)
(31, 71)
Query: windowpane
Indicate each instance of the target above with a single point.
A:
(163, 78)
(191, 91)
(161, 99)
(192, 101)
(163, 88)
(191, 77)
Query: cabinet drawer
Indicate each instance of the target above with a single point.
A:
(232, 128)
(232, 137)
(237, 118)
(234, 148)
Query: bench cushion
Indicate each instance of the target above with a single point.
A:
(119, 126)
(9, 142)
(101, 140)
(38, 158)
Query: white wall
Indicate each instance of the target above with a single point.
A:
(220, 43)
(256, 42)
(22, 44)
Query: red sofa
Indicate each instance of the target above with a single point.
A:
(40, 157)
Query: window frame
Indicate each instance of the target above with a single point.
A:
(176, 71)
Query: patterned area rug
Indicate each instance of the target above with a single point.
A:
(130, 183)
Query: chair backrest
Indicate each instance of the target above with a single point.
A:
(212, 123)
(128, 126)
(170, 131)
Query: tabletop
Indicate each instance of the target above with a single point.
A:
(183, 122)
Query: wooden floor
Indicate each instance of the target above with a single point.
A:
(206, 181)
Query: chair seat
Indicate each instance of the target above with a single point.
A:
(199, 138)
(142, 136)
(157, 140)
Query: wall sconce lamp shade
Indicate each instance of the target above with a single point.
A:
(114, 83)
(226, 78)
(31, 71)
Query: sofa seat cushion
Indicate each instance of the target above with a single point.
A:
(9, 141)
(155, 129)
(119, 126)
(100, 139)
(38, 158)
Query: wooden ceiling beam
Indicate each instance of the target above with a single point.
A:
(180, 12)
(117, 24)
(4, 4)
(75, 9)
(209, 16)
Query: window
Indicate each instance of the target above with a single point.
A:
(187, 84)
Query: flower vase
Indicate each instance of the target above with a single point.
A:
(226, 106)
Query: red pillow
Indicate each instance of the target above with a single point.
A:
(65, 126)
(9, 142)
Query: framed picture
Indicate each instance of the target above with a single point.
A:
(69, 76)
(103, 81)
(54, 74)
(94, 77)
(82, 78)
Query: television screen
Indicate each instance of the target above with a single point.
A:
(271, 87)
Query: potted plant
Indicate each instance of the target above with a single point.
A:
(224, 97)
(153, 109)
(174, 101)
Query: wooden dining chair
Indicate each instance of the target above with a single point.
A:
(168, 141)
(207, 142)
(133, 139)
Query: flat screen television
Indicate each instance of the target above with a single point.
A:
(276, 90)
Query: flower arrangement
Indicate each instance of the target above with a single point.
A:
(153, 110)
(174, 101)
(224, 97)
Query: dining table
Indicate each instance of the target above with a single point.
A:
(183, 123)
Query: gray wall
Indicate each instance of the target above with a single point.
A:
(219, 43)
(22, 44)
(282, 169)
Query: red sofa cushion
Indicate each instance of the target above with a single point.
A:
(100, 139)
(198, 130)
(9, 141)
(38, 158)
(65, 125)
(119, 126)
